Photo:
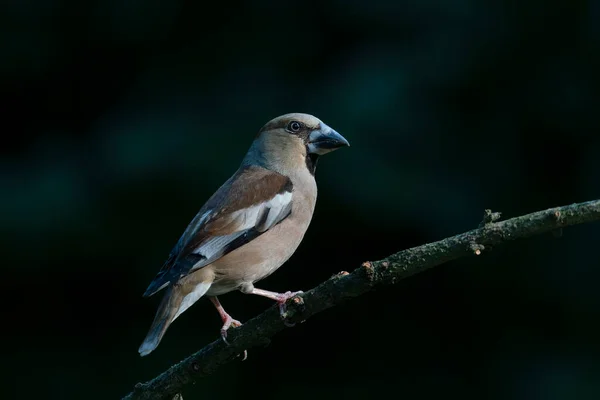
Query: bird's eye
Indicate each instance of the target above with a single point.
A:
(294, 126)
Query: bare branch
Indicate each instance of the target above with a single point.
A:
(260, 329)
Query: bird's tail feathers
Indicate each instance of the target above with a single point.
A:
(175, 301)
(164, 317)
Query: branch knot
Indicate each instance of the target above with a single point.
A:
(369, 270)
(476, 248)
(489, 217)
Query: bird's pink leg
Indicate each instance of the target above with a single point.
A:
(280, 298)
(228, 321)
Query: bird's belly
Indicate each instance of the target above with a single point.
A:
(257, 259)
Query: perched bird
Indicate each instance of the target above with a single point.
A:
(249, 227)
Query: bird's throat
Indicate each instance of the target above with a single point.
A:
(311, 162)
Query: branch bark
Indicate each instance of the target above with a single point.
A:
(340, 287)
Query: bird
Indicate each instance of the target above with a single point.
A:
(249, 227)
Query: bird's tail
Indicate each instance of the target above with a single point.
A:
(167, 310)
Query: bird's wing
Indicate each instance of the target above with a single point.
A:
(251, 202)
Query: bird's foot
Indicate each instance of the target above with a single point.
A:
(228, 323)
(282, 298)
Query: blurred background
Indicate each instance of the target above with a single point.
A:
(120, 118)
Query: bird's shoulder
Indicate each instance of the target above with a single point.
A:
(248, 187)
(250, 190)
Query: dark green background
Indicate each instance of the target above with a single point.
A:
(120, 118)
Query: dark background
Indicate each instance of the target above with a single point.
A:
(120, 118)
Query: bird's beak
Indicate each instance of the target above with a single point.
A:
(324, 140)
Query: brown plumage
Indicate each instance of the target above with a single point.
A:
(250, 226)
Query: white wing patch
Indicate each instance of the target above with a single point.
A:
(252, 217)
(279, 207)
(247, 216)
(213, 246)
(275, 207)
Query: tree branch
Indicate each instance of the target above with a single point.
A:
(342, 286)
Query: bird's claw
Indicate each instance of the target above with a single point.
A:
(224, 337)
(228, 324)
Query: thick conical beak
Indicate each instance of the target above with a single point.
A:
(324, 140)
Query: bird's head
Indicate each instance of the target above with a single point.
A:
(289, 139)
